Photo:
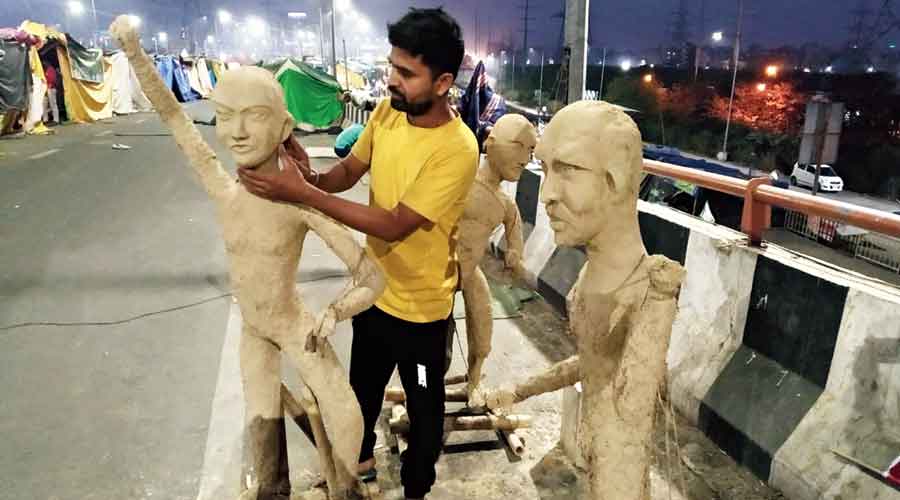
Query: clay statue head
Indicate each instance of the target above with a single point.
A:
(592, 159)
(251, 116)
(509, 146)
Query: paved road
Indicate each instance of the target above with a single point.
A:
(92, 234)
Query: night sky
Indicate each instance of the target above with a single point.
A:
(617, 24)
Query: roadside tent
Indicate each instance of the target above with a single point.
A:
(15, 76)
(312, 97)
(44, 39)
(191, 69)
(350, 79)
(203, 72)
(127, 95)
(88, 81)
(174, 77)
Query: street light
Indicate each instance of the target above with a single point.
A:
(717, 36)
(75, 7)
(224, 17)
(625, 65)
(829, 69)
(648, 78)
(256, 26)
(771, 71)
(761, 87)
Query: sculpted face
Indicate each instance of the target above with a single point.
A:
(510, 145)
(592, 159)
(251, 116)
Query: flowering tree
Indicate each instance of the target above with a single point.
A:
(774, 107)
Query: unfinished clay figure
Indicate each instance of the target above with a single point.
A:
(264, 241)
(621, 307)
(508, 151)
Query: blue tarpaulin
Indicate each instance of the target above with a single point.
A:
(480, 107)
(173, 76)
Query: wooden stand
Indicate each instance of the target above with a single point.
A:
(479, 420)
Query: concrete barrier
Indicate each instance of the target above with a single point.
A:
(784, 361)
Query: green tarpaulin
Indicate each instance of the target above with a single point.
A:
(312, 97)
(86, 64)
(15, 76)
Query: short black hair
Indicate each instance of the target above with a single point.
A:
(432, 34)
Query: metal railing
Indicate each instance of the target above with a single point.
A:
(355, 114)
(817, 216)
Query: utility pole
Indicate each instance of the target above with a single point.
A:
(333, 48)
(858, 25)
(698, 60)
(737, 59)
(525, 20)
(576, 41)
(321, 35)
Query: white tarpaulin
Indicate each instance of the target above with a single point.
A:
(127, 96)
(194, 79)
(35, 103)
(203, 73)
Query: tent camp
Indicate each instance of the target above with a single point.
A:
(348, 78)
(174, 76)
(312, 97)
(127, 96)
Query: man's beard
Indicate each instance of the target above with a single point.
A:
(399, 102)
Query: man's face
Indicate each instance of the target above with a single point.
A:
(412, 86)
(248, 125)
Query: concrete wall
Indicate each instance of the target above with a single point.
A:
(780, 359)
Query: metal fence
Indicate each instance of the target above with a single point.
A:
(876, 248)
(879, 249)
(354, 114)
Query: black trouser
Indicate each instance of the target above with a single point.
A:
(418, 350)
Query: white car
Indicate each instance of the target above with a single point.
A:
(805, 175)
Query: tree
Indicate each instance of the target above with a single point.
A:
(686, 101)
(777, 107)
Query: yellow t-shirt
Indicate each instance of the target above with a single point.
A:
(430, 170)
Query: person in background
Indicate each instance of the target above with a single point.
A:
(52, 79)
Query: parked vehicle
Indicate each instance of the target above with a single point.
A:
(805, 175)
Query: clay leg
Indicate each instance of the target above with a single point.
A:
(479, 330)
(265, 445)
(326, 378)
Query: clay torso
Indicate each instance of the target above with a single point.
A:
(484, 211)
(601, 322)
(264, 241)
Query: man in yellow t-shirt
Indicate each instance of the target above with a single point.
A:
(422, 160)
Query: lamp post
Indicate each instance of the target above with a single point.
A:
(723, 155)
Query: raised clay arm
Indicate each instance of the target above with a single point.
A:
(515, 245)
(558, 376)
(202, 158)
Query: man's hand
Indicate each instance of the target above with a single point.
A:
(292, 153)
(287, 185)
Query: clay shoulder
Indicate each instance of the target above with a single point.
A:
(665, 275)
